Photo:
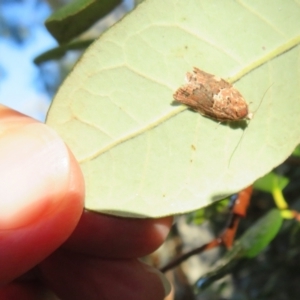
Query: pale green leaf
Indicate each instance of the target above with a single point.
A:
(141, 155)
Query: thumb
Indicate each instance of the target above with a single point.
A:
(42, 193)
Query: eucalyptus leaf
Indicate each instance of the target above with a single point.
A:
(143, 156)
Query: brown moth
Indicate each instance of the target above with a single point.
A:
(212, 97)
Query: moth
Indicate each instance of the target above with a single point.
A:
(213, 97)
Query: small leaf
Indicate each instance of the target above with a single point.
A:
(271, 181)
(60, 51)
(77, 16)
(255, 239)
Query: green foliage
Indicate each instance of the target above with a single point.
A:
(251, 243)
(203, 214)
(60, 51)
(73, 19)
(270, 182)
(256, 238)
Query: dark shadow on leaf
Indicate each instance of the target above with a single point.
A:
(242, 124)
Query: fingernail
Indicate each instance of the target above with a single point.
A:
(165, 282)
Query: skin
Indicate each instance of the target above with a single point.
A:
(49, 245)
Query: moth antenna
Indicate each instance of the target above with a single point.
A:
(253, 114)
(262, 99)
(236, 146)
(218, 124)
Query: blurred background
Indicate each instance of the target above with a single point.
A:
(25, 86)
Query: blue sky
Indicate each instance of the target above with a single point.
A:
(18, 84)
(20, 87)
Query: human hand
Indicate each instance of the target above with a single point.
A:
(47, 244)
